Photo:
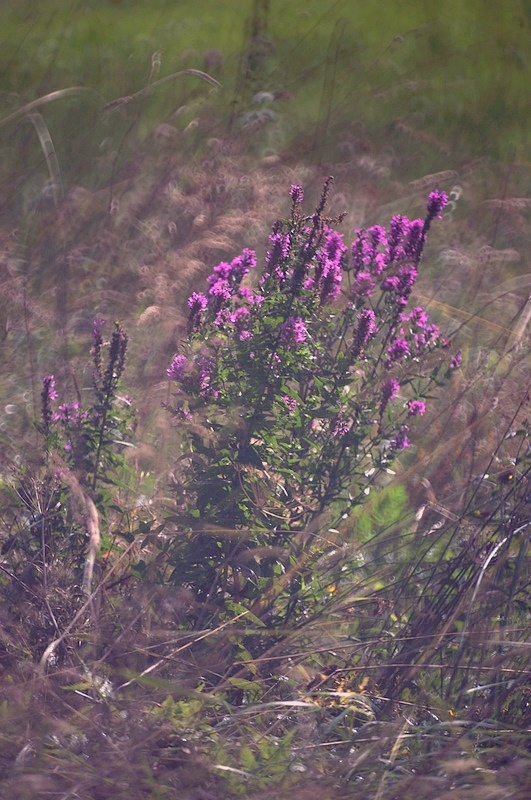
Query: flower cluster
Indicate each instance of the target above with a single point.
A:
(310, 357)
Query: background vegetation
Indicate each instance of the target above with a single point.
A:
(406, 674)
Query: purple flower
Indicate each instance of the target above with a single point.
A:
(219, 288)
(241, 265)
(197, 304)
(293, 331)
(408, 275)
(180, 412)
(297, 194)
(97, 325)
(391, 283)
(416, 408)
(377, 235)
(398, 350)
(361, 251)
(398, 230)
(417, 316)
(370, 250)
(378, 238)
(238, 316)
(366, 328)
(330, 282)
(290, 402)
(402, 283)
(456, 360)
(363, 284)
(176, 370)
(277, 253)
(70, 413)
(340, 426)
(436, 202)
(226, 277)
(415, 240)
(334, 246)
(205, 366)
(328, 273)
(221, 319)
(390, 388)
(221, 270)
(247, 294)
(401, 441)
(48, 384)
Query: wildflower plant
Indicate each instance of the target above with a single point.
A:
(56, 503)
(83, 453)
(296, 389)
(86, 437)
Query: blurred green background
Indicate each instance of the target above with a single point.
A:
(457, 72)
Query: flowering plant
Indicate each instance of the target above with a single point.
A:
(85, 437)
(295, 391)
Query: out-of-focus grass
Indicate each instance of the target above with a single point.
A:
(453, 74)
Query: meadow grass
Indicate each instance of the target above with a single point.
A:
(403, 671)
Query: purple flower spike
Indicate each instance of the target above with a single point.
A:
(293, 331)
(48, 386)
(197, 302)
(390, 389)
(177, 368)
(97, 325)
(436, 202)
(297, 194)
(366, 328)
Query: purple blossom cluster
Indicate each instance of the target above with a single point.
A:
(195, 376)
(328, 272)
(277, 255)
(293, 331)
(297, 194)
(340, 425)
(392, 257)
(205, 365)
(401, 441)
(290, 403)
(226, 278)
(307, 268)
(417, 408)
(370, 250)
(423, 333)
(177, 369)
(398, 350)
(366, 329)
(389, 390)
(70, 413)
(457, 358)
